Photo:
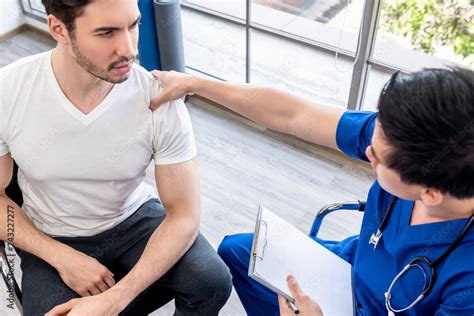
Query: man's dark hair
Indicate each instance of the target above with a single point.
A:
(66, 10)
(428, 119)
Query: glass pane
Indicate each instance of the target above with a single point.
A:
(414, 34)
(37, 5)
(233, 8)
(214, 46)
(376, 81)
(305, 71)
(331, 22)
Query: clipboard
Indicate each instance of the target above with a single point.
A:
(280, 249)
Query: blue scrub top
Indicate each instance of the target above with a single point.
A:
(453, 292)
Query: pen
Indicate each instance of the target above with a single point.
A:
(292, 307)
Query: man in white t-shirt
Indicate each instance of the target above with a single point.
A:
(93, 236)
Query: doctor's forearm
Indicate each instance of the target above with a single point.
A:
(170, 241)
(267, 106)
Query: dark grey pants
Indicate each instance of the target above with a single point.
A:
(199, 282)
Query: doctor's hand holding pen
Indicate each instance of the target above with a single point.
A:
(303, 305)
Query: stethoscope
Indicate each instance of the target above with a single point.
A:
(416, 262)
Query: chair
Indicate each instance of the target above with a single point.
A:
(13, 290)
(337, 206)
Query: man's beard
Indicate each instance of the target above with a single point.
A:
(94, 70)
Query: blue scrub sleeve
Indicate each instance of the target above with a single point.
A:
(354, 133)
(344, 249)
(458, 298)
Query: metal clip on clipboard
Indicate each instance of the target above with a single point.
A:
(290, 301)
(265, 241)
(259, 245)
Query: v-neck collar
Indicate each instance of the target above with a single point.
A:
(85, 119)
(448, 230)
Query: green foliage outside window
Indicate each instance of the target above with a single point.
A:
(433, 23)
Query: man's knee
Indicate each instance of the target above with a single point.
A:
(203, 279)
(40, 302)
(218, 285)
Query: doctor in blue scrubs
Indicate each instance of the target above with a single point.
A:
(415, 251)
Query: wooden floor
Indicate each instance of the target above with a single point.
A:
(241, 167)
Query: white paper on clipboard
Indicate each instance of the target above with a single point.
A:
(280, 249)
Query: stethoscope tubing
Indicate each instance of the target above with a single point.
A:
(429, 283)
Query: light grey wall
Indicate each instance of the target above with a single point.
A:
(11, 16)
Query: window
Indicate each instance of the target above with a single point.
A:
(288, 44)
(329, 23)
(292, 44)
(308, 72)
(34, 9)
(213, 46)
(412, 35)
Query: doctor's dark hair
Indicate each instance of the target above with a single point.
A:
(66, 10)
(428, 119)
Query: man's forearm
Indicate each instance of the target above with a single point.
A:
(17, 229)
(270, 107)
(170, 241)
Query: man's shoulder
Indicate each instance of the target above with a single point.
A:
(143, 81)
(23, 64)
(21, 73)
(18, 77)
(141, 73)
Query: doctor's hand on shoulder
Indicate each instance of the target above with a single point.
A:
(176, 85)
(304, 303)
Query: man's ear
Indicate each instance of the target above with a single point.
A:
(58, 30)
(432, 197)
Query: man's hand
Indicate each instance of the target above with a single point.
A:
(82, 273)
(303, 302)
(100, 305)
(176, 86)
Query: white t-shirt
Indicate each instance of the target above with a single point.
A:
(83, 174)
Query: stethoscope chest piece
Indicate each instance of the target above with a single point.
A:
(425, 265)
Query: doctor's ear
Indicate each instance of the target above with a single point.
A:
(432, 197)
